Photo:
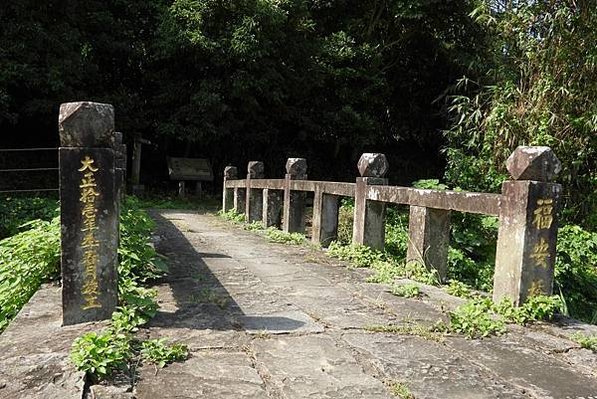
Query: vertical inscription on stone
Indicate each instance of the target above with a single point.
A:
(90, 244)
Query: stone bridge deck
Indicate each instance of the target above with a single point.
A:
(265, 320)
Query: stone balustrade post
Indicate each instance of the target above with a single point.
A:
(429, 238)
(369, 216)
(325, 218)
(230, 173)
(254, 201)
(88, 212)
(294, 201)
(273, 203)
(526, 247)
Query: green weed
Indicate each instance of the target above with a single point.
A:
(274, 235)
(158, 352)
(254, 226)
(232, 216)
(409, 290)
(585, 341)
(401, 390)
(407, 329)
(459, 289)
(481, 317)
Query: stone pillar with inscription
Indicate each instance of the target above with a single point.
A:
(526, 247)
(230, 173)
(254, 201)
(293, 216)
(369, 216)
(88, 212)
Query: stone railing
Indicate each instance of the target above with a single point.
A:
(526, 208)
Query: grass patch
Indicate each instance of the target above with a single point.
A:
(413, 329)
(274, 235)
(232, 216)
(585, 341)
(409, 290)
(401, 390)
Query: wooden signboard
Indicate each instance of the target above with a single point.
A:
(190, 169)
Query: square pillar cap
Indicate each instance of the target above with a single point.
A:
(373, 165)
(533, 163)
(86, 124)
(296, 167)
(256, 169)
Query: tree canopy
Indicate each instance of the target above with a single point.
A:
(266, 79)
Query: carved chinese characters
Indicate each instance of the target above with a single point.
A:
(528, 226)
(90, 244)
(88, 213)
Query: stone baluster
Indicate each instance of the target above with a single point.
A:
(294, 201)
(273, 203)
(88, 212)
(369, 216)
(254, 201)
(526, 247)
(429, 239)
(325, 218)
(230, 173)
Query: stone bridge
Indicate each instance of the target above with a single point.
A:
(266, 320)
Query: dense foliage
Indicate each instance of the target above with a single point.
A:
(27, 260)
(534, 86)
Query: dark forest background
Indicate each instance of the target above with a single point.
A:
(445, 88)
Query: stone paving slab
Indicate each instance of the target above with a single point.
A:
(430, 369)
(315, 367)
(225, 375)
(34, 351)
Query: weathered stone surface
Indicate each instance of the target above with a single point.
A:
(255, 170)
(429, 238)
(240, 199)
(373, 165)
(279, 323)
(525, 255)
(109, 392)
(293, 216)
(297, 167)
(316, 367)
(273, 204)
(525, 367)
(34, 351)
(207, 374)
(86, 124)
(325, 218)
(89, 234)
(369, 216)
(428, 368)
(230, 173)
(533, 163)
(254, 201)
